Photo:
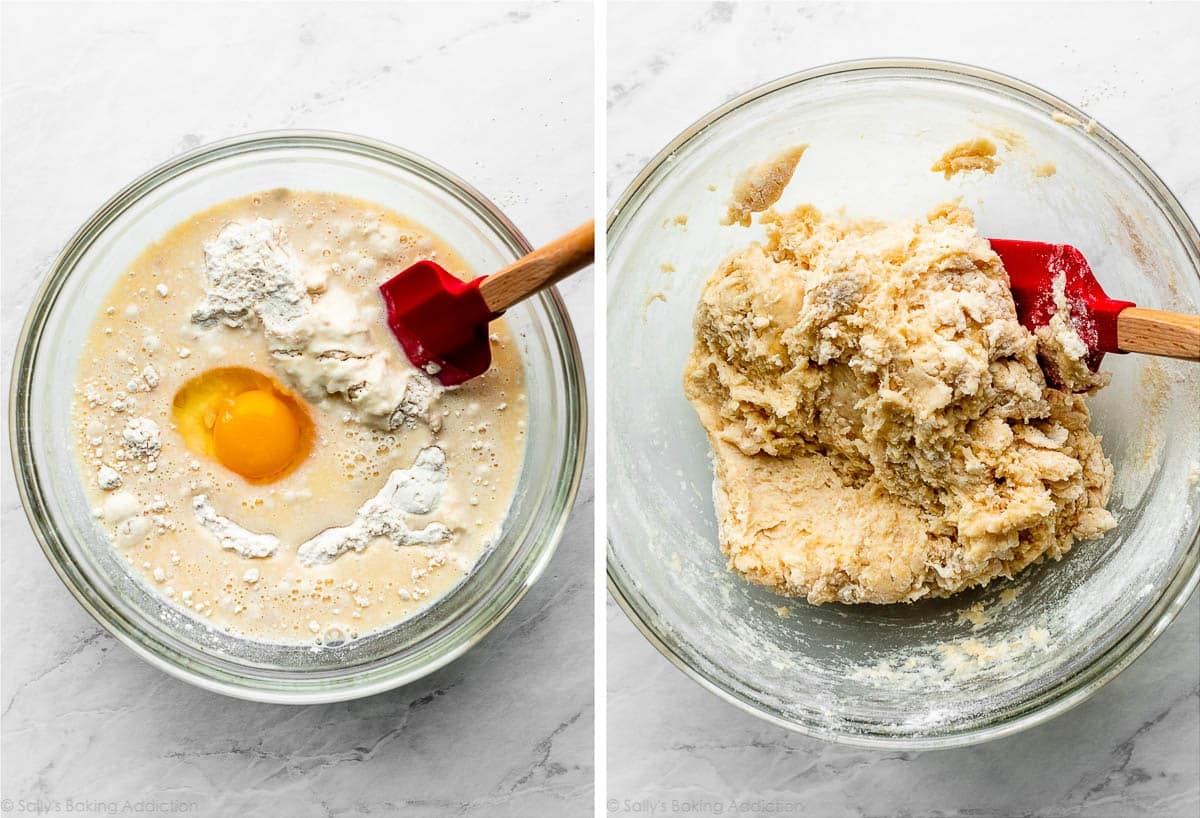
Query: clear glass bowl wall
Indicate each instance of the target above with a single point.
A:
(185, 646)
(883, 676)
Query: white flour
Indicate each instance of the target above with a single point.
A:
(413, 491)
(416, 490)
(108, 478)
(317, 334)
(229, 534)
(141, 438)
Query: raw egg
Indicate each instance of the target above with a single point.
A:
(245, 420)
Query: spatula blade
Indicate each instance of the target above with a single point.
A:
(440, 321)
(1033, 268)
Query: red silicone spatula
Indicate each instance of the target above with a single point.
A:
(1104, 324)
(442, 322)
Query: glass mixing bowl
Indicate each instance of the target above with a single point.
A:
(50, 486)
(936, 673)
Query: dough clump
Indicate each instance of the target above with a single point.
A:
(1062, 350)
(880, 427)
(974, 154)
(760, 186)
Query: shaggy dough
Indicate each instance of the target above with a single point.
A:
(881, 429)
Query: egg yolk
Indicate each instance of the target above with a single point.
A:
(256, 435)
(244, 420)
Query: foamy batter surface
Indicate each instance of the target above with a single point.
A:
(881, 429)
(405, 485)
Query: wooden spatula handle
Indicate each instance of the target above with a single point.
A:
(1155, 332)
(541, 268)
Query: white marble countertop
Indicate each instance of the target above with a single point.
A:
(1132, 749)
(93, 95)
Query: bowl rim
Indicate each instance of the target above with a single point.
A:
(1140, 634)
(562, 338)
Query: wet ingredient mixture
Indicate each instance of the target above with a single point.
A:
(257, 446)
